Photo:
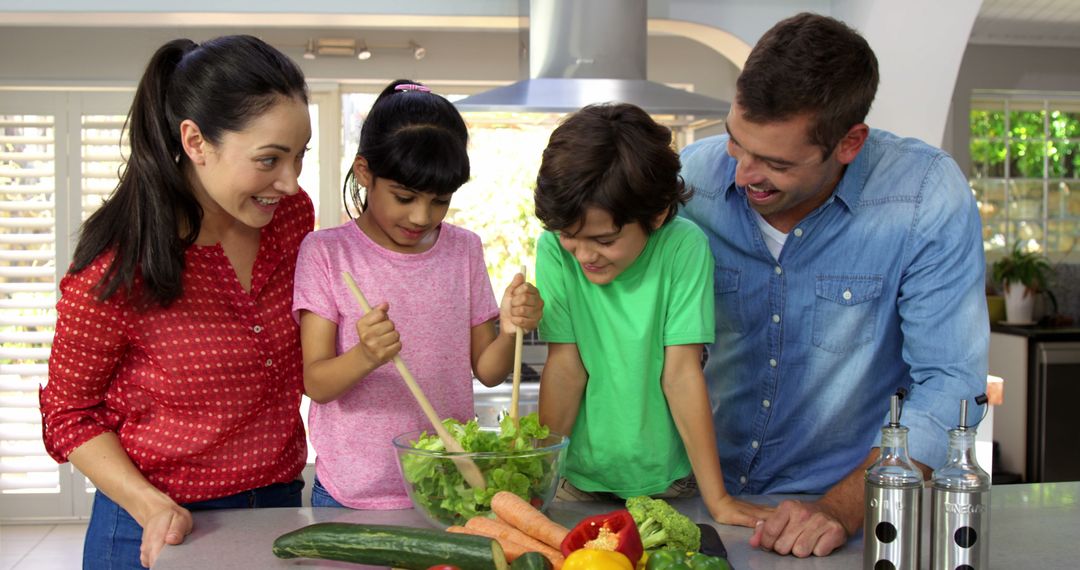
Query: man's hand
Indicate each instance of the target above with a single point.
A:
(800, 529)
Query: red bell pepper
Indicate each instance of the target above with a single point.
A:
(614, 531)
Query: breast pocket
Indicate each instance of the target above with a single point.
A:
(845, 309)
(726, 286)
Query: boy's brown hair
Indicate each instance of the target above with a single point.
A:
(614, 157)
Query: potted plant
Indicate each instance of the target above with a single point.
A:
(1022, 274)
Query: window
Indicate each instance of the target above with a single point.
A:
(1025, 170)
(57, 151)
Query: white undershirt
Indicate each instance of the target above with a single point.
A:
(774, 238)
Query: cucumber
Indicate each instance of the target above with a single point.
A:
(531, 561)
(397, 546)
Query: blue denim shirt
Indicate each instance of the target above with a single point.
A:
(880, 287)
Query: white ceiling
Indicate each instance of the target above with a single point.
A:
(1028, 22)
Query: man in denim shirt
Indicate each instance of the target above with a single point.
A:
(849, 264)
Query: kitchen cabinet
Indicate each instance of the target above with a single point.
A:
(1034, 429)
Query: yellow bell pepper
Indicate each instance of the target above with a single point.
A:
(589, 559)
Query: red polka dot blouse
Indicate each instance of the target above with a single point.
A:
(204, 394)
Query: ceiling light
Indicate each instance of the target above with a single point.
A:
(418, 50)
(363, 53)
(336, 46)
(309, 51)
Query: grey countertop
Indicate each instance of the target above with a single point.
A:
(1032, 525)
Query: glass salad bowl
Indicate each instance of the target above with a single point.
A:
(523, 465)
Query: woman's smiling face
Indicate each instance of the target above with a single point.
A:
(247, 173)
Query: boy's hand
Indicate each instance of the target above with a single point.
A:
(730, 510)
(379, 339)
(521, 307)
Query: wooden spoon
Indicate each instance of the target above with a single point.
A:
(519, 341)
(468, 468)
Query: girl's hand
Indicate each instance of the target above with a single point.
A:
(521, 307)
(379, 340)
(730, 510)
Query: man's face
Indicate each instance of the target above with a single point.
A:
(784, 175)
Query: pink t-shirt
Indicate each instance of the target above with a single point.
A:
(435, 297)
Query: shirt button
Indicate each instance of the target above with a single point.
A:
(754, 444)
(765, 403)
(847, 294)
(776, 318)
(269, 362)
(742, 479)
(798, 232)
(778, 270)
(257, 329)
(772, 362)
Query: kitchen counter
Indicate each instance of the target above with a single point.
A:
(1035, 331)
(1031, 525)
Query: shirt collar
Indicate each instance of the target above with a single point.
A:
(853, 181)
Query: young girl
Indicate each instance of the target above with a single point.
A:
(427, 275)
(175, 375)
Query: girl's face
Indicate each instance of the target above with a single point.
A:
(244, 177)
(397, 217)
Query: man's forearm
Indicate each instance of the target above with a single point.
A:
(845, 499)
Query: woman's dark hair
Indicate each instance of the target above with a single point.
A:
(614, 157)
(153, 216)
(415, 138)
(810, 64)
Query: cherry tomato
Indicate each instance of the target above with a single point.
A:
(536, 502)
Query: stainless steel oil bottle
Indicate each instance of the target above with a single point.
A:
(960, 506)
(893, 502)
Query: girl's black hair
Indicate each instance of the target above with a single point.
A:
(415, 138)
(153, 216)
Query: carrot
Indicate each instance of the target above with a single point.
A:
(524, 517)
(511, 549)
(500, 530)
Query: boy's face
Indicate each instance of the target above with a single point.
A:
(603, 249)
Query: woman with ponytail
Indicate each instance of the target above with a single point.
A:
(175, 375)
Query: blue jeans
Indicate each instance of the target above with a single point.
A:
(320, 497)
(113, 537)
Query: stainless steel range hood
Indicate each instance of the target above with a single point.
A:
(589, 51)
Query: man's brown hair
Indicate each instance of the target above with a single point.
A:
(810, 64)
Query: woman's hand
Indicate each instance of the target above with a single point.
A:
(729, 510)
(167, 525)
(379, 339)
(521, 307)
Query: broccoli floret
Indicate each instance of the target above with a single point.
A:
(661, 526)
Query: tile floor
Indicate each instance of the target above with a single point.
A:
(41, 547)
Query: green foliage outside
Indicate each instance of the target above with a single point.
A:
(1025, 165)
(1028, 142)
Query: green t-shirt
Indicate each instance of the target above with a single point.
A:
(624, 440)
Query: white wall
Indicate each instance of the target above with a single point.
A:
(117, 56)
(919, 45)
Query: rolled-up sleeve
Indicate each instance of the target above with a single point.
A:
(88, 345)
(943, 313)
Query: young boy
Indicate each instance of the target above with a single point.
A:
(628, 303)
